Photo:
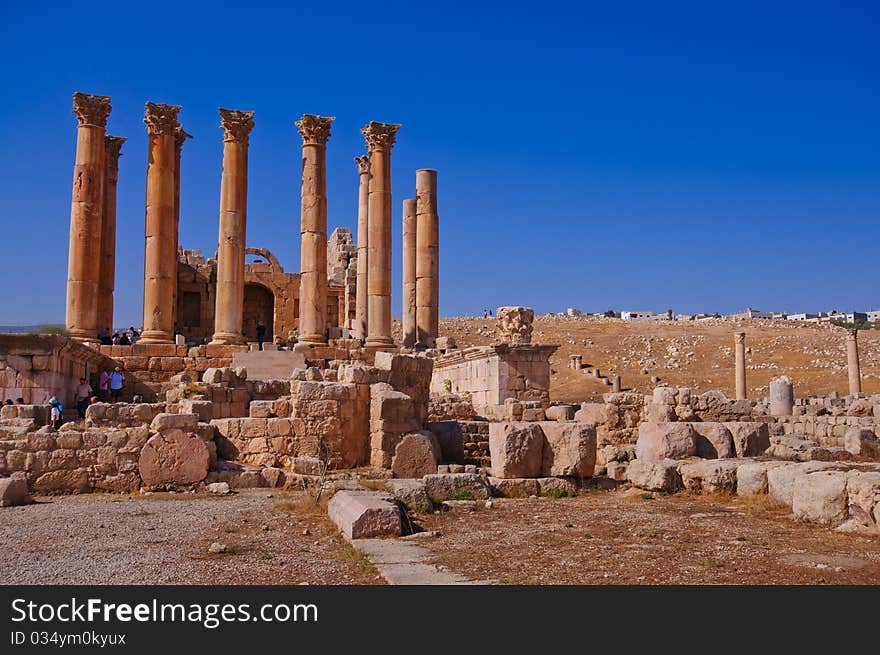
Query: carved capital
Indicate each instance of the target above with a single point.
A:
(236, 125)
(740, 337)
(363, 164)
(113, 149)
(180, 135)
(91, 110)
(161, 120)
(314, 130)
(852, 335)
(380, 136)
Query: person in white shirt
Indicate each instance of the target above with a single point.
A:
(83, 393)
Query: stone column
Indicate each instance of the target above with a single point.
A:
(852, 362)
(615, 384)
(409, 273)
(86, 209)
(380, 139)
(315, 130)
(427, 259)
(229, 302)
(107, 277)
(360, 320)
(180, 136)
(781, 396)
(160, 252)
(740, 355)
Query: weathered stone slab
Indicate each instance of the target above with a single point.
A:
(163, 422)
(781, 479)
(174, 457)
(714, 441)
(443, 486)
(750, 438)
(654, 475)
(416, 456)
(820, 497)
(14, 490)
(862, 442)
(365, 514)
(514, 487)
(569, 449)
(665, 441)
(710, 476)
(413, 494)
(516, 449)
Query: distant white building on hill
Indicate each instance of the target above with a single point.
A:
(754, 313)
(637, 316)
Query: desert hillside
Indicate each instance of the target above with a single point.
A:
(694, 354)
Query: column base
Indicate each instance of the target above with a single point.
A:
(312, 340)
(84, 336)
(227, 339)
(156, 336)
(380, 343)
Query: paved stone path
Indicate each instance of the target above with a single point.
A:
(404, 562)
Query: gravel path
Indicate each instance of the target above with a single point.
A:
(270, 538)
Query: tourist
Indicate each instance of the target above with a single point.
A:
(261, 334)
(83, 392)
(132, 335)
(8, 401)
(19, 401)
(117, 381)
(104, 337)
(56, 416)
(104, 386)
(115, 339)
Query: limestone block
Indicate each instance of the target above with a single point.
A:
(665, 440)
(596, 413)
(710, 476)
(560, 412)
(443, 486)
(654, 475)
(174, 457)
(861, 407)
(750, 438)
(365, 514)
(14, 490)
(714, 441)
(751, 477)
(781, 479)
(569, 449)
(552, 486)
(516, 449)
(820, 497)
(413, 494)
(203, 409)
(164, 422)
(861, 442)
(262, 409)
(514, 487)
(415, 456)
(63, 481)
(863, 497)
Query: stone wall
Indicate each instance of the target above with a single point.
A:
(827, 431)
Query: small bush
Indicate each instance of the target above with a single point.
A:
(647, 496)
(464, 494)
(51, 329)
(561, 492)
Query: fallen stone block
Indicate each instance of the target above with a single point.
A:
(203, 409)
(174, 457)
(413, 494)
(820, 497)
(557, 487)
(665, 441)
(863, 497)
(560, 412)
(654, 475)
(365, 514)
(710, 476)
(781, 479)
(750, 438)
(164, 422)
(714, 441)
(569, 449)
(14, 490)
(516, 449)
(861, 442)
(616, 471)
(514, 487)
(751, 477)
(448, 486)
(415, 456)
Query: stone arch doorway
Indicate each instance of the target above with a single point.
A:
(259, 305)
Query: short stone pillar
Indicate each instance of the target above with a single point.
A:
(781, 396)
(86, 209)
(615, 384)
(852, 362)
(160, 249)
(359, 330)
(427, 259)
(576, 362)
(514, 324)
(409, 273)
(739, 350)
(232, 238)
(380, 139)
(107, 277)
(315, 130)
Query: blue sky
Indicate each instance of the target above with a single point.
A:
(641, 155)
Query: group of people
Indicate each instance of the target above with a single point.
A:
(110, 386)
(487, 313)
(123, 338)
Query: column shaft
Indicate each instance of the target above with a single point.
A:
(360, 320)
(86, 210)
(740, 355)
(179, 137)
(380, 139)
(427, 261)
(852, 362)
(409, 273)
(232, 237)
(160, 251)
(107, 283)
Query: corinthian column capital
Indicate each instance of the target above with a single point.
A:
(380, 136)
(314, 130)
(180, 135)
(363, 164)
(161, 120)
(113, 149)
(236, 125)
(740, 337)
(91, 110)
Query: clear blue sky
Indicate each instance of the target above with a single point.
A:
(696, 155)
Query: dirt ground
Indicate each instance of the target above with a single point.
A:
(631, 537)
(694, 354)
(271, 537)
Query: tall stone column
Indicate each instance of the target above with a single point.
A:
(107, 277)
(160, 251)
(427, 259)
(86, 209)
(852, 362)
(180, 135)
(380, 139)
(740, 355)
(360, 320)
(314, 130)
(409, 273)
(229, 302)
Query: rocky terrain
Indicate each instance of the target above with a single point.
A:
(697, 354)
